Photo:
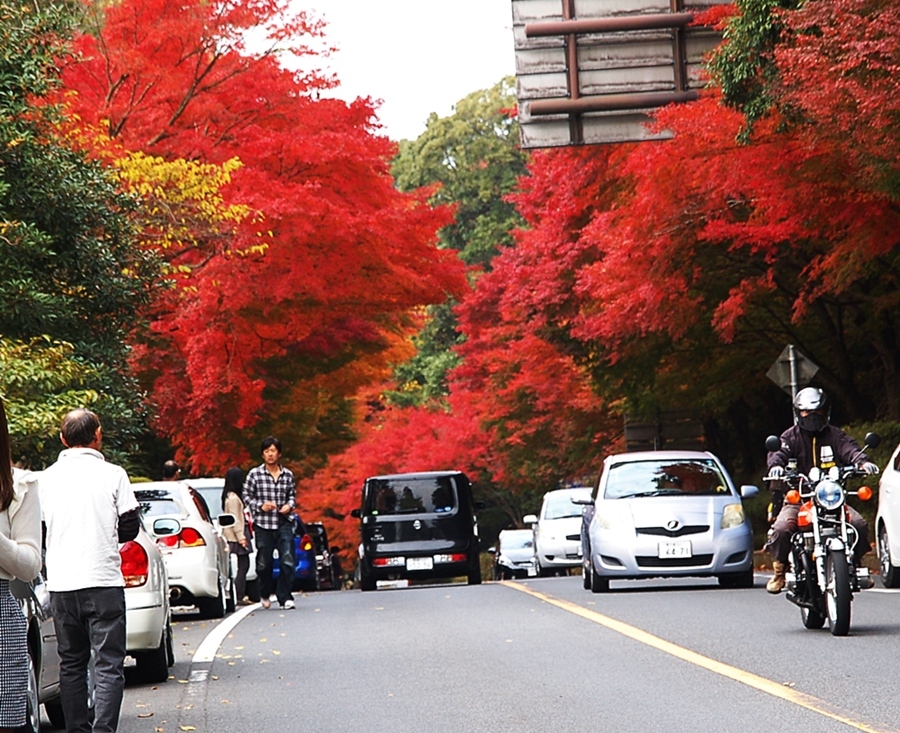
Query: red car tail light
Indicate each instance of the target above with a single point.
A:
(135, 564)
(188, 537)
(306, 543)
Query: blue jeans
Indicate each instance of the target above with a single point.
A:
(267, 540)
(92, 619)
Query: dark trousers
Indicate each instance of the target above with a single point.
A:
(785, 524)
(267, 541)
(90, 620)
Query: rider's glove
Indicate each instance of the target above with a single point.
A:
(776, 471)
(869, 468)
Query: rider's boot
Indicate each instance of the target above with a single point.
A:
(777, 581)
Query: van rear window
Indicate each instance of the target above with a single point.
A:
(410, 496)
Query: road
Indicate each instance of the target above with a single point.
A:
(530, 656)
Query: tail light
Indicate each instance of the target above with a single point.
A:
(135, 564)
(306, 543)
(188, 537)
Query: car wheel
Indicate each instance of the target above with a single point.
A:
(890, 574)
(213, 607)
(366, 581)
(599, 584)
(33, 706)
(170, 644)
(475, 570)
(153, 665)
(585, 569)
(253, 590)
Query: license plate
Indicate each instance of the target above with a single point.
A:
(419, 563)
(532, 572)
(674, 549)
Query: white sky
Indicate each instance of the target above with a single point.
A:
(417, 56)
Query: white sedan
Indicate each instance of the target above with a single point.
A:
(197, 558)
(148, 616)
(887, 522)
(557, 531)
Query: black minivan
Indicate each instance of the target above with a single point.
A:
(417, 526)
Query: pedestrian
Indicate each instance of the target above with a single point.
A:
(271, 493)
(238, 534)
(171, 471)
(20, 557)
(89, 507)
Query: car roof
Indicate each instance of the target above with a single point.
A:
(205, 483)
(568, 490)
(661, 455)
(416, 474)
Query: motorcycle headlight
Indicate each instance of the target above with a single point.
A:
(733, 516)
(829, 494)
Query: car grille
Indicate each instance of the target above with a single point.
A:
(650, 561)
(680, 532)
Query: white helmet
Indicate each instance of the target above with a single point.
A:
(812, 401)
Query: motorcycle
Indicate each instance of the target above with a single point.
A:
(822, 575)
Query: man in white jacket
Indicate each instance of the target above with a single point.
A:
(89, 508)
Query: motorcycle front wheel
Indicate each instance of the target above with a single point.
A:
(837, 593)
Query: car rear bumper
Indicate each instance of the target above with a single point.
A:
(144, 628)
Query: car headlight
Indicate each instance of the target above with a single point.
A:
(732, 516)
(829, 494)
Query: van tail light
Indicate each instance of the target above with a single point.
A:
(454, 557)
(135, 564)
(188, 537)
(306, 543)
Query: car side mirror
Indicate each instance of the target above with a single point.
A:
(492, 550)
(530, 519)
(583, 502)
(166, 526)
(748, 491)
(226, 520)
(355, 513)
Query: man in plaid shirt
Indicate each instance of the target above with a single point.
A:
(270, 493)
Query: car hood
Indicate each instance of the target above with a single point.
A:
(519, 554)
(663, 511)
(567, 525)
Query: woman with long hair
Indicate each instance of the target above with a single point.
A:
(237, 534)
(20, 557)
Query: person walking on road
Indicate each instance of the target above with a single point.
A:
(238, 534)
(20, 557)
(271, 493)
(89, 508)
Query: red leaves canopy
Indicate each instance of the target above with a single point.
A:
(312, 296)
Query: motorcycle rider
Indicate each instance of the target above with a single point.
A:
(812, 441)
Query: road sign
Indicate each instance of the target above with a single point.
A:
(792, 371)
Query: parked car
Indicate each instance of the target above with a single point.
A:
(514, 555)
(666, 513)
(418, 525)
(211, 491)
(197, 558)
(887, 522)
(316, 565)
(148, 614)
(43, 659)
(557, 531)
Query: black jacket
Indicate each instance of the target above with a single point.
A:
(829, 447)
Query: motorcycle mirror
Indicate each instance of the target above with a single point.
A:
(873, 440)
(773, 443)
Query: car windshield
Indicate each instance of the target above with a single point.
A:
(422, 495)
(157, 503)
(213, 498)
(517, 541)
(682, 477)
(560, 506)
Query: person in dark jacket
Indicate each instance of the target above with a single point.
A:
(812, 441)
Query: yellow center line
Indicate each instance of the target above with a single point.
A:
(738, 675)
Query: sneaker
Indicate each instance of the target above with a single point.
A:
(266, 603)
(288, 605)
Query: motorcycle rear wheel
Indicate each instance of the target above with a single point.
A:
(812, 619)
(837, 593)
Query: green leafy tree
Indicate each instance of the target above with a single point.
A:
(72, 277)
(472, 160)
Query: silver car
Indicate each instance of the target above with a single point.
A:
(666, 513)
(557, 531)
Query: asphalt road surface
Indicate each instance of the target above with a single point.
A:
(530, 656)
